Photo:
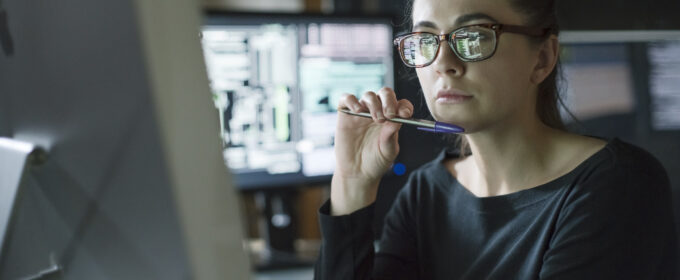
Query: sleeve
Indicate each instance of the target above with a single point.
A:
(347, 250)
(346, 245)
(617, 224)
(397, 256)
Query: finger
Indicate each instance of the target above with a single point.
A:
(389, 102)
(349, 101)
(371, 101)
(389, 138)
(405, 108)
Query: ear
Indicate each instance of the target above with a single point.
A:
(547, 58)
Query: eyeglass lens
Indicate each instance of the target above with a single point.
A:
(470, 44)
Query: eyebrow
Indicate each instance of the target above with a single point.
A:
(459, 21)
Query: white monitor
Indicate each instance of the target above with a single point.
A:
(134, 185)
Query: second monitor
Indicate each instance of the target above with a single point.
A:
(276, 80)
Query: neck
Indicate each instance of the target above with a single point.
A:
(510, 157)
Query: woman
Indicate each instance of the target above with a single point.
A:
(528, 201)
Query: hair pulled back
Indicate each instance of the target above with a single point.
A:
(537, 13)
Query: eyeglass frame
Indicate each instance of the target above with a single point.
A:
(497, 29)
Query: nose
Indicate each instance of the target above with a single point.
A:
(446, 62)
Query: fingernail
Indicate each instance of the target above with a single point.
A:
(390, 112)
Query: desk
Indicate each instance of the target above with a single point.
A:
(306, 273)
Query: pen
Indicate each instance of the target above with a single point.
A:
(431, 126)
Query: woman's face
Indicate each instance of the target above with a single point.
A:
(476, 95)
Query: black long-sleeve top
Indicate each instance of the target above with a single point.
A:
(609, 218)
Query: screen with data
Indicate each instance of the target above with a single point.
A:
(616, 81)
(664, 85)
(276, 81)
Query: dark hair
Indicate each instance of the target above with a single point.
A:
(539, 13)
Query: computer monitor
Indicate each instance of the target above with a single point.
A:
(276, 80)
(134, 185)
(623, 83)
(664, 84)
(598, 79)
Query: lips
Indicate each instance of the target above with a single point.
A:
(452, 96)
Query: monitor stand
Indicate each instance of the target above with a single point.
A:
(277, 227)
(16, 157)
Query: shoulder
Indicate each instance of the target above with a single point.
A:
(627, 154)
(622, 175)
(617, 214)
(631, 161)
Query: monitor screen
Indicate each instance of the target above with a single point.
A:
(664, 85)
(622, 82)
(130, 183)
(276, 81)
(599, 79)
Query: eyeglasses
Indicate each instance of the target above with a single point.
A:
(470, 43)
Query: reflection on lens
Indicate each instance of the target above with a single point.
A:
(468, 45)
(419, 49)
(428, 48)
(474, 43)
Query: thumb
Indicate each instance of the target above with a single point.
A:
(389, 139)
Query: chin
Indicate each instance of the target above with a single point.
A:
(449, 116)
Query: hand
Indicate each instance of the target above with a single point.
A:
(365, 148)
